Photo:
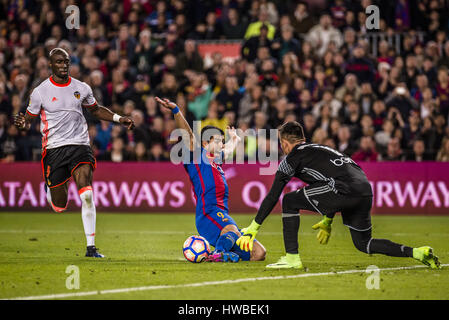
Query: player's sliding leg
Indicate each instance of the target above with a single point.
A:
(259, 252)
(291, 204)
(83, 179)
(228, 236)
(227, 239)
(226, 250)
(365, 243)
(222, 232)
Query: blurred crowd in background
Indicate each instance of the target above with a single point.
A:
(309, 61)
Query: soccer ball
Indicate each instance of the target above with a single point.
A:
(196, 249)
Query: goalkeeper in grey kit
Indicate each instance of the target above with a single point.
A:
(335, 184)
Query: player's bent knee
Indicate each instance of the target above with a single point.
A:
(361, 245)
(230, 227)
(288, 202)
(83, 175)
(57, 198)
(58, 209)
(361, 239)
(261, 254)
(258, 253)
(86, 195)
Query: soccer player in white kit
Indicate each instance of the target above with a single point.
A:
(66, 150)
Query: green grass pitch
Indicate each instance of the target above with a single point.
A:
(144, 250)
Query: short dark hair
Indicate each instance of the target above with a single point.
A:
(292, 131)
(209, 131)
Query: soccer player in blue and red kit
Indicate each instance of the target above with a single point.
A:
(203, 166)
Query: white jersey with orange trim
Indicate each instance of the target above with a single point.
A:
(60, 107)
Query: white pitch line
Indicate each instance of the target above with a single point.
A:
(201, 284)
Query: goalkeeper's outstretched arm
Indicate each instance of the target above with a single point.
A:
(279, 183)
(245, 242)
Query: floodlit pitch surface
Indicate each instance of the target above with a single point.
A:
(145, 261)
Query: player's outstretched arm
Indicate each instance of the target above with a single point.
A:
(245, 242)
(234, 139)
(103, 113)
(180, 121)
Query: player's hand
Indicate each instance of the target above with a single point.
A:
(325, 230)
(233, 133)
(166, 103)
(246, 240)
(128, 122)
(20, 122)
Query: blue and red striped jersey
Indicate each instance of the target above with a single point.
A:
(208, 182)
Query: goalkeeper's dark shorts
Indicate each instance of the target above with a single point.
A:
(355, 211)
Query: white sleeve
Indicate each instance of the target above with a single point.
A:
(89, 100)
(35, 103)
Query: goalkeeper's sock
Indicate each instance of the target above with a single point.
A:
(226, 241)
(290, 223)
(88, 214)
(389, 248)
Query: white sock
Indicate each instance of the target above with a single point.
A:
(88, 213)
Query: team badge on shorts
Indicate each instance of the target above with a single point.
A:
(77, 94)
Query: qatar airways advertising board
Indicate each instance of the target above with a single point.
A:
(398, 187)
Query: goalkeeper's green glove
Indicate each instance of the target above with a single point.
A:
(325, 230)
(246, 240)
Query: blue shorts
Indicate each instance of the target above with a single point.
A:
(210, 223)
